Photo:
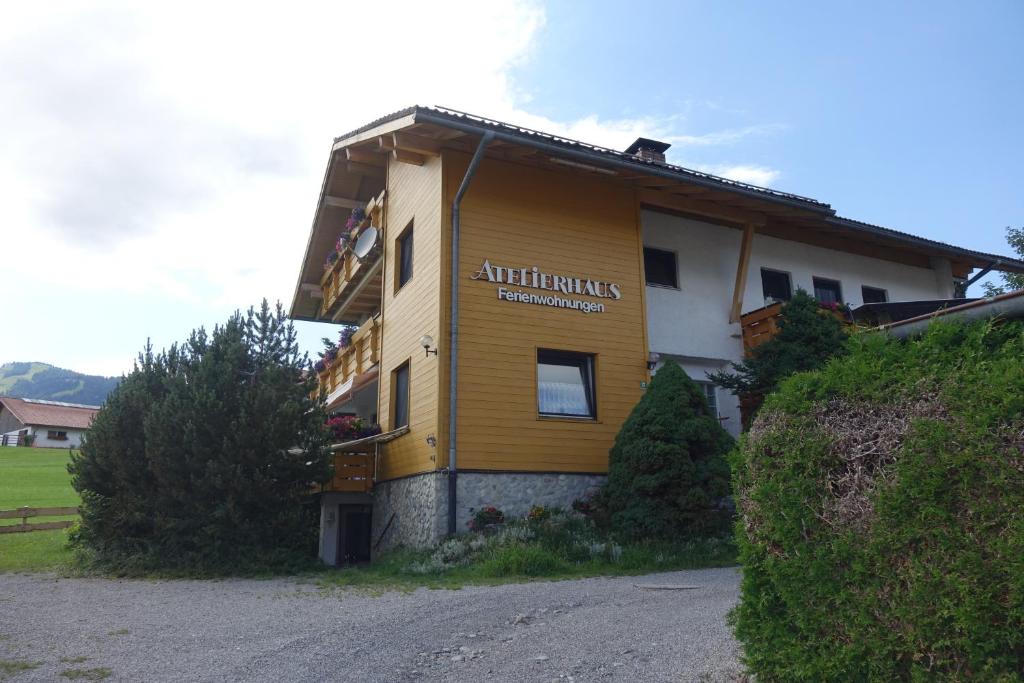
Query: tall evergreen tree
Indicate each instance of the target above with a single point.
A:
(205, 455)
(667, 470)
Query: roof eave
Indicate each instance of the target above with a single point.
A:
(596, 158)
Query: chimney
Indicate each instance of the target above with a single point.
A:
(648, 150)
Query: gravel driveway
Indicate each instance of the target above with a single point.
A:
(635, 629)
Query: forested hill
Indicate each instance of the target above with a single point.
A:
(40, 380)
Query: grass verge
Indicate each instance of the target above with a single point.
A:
(562, 547)
(34, 477)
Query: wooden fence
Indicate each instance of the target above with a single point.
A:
(26, 512)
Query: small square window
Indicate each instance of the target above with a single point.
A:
(565, 384)
(873, 295)
(827, 291)
(404, 256)
(400, 396)
(775, 285)
(660, 268)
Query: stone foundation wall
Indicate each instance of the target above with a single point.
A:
(419, 505)
(515, 492)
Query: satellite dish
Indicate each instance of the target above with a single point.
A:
(365, 242)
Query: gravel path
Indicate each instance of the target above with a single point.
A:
(283, 630)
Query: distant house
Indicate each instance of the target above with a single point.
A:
(50, 424)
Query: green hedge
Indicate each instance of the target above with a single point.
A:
(881, 524)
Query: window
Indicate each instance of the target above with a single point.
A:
(565, 384)
(776, 285)
(873, 295)
(660, 268)
(404, 257)
(400, 396)
(53, 435)
(710, 396)
(827, 291)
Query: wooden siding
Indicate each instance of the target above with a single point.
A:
(414, 194)
(564, 223)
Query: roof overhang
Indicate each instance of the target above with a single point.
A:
(659, 185)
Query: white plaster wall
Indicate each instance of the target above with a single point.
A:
(74, 439)
(691, 323)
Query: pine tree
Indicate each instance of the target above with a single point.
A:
(808, 337)
(667, 473)
(204, 457)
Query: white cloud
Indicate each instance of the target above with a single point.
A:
(176, 149)
(723, 137)
(746, 173)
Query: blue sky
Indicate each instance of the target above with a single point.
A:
(151, 189)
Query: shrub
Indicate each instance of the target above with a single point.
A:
(192, 463)
(667, 471)
(880, 533)
(522, 560)
(809, 335)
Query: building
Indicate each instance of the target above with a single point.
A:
(504, 378)
(47, 424)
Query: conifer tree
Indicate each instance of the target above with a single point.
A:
(205, 455)
(808, 337)
(667, 472)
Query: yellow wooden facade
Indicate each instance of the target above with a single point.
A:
(526, 207)
(414, 197)
(560, 222)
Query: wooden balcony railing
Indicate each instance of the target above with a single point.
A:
(353, 472)
(351, 287)
(362, 353)
(762, 325)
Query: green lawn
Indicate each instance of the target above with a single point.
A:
(34, 477)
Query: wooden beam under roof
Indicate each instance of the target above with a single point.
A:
(408, 157)
(417, 144)
(343, 202)
(746, 246)
(365, 156)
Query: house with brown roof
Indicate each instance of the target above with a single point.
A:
(43, 424)
(507, 295)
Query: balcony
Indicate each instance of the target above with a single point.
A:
(351, 286)
(353, 472)
(351, 369)
(762, 324)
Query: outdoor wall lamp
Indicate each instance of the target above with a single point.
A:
(652, 360)
(426, 341)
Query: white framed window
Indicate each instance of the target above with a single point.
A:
(565, 384)
(873, 295)
(776, 285)
(827, 291)
(710, 395)
(660, 268)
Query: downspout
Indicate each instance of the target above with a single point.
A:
(453, 343)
